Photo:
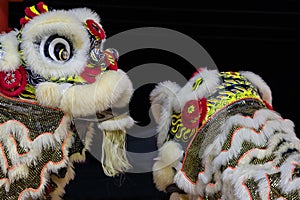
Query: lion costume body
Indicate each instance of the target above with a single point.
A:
(56, 78)
(219, 138)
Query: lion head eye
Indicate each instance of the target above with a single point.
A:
(56, 48)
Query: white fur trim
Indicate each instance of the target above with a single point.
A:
(18, 172)
(262, 86)
(13, 129)
(48, 94)
(162, 98)
(210, 81)
(266, 127)
(84, 14)
(267, 119)
(61, 183)
(184, 184)
(162, 175)
(288, 183)
(169, 157)
(120, 123)
(170, 153)
(10, 60)
(111, 89)
(64, 24)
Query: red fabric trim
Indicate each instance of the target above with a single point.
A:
(197, 72)
(269, 106)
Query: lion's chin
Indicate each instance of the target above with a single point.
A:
(111, 89)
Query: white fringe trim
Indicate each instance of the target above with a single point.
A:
(184, 184)
(61, 183)
(162, 99)
(262, 86)
(266, 127)
(13, 129)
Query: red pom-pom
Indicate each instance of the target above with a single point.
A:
(13, 83)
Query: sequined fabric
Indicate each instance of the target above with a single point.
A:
(241, 150)
(33, 146)
(210, 131)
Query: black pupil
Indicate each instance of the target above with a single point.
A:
(60, 49)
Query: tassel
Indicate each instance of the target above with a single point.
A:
(114, 159)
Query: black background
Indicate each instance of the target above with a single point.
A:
(253, 35)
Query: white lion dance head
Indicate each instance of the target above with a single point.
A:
(53, 70)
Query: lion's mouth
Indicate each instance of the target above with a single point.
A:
(98, 63)
(89, 74)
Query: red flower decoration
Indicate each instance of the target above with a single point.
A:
(13, 83)
(95, 29)
(193, 113)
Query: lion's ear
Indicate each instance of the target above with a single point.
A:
(9, 53)
(262, 86)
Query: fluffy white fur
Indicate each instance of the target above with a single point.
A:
(84, 14)
(266, 128)
(168, 158)
(11, 58)
(65, 24)
(112, 88)
(119, 123)
(262, 86)
(170, 153)
(13, 129)
(231, 181)
(210, 81)
(184, 184)
(48, 94)
(17, 173)
(163, 175)
(162, 99)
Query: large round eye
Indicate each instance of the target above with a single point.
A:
(57, 48)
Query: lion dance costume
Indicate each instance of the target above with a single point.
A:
(54, 71)
(219, 138)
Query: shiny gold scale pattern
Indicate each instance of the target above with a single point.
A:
(192, 164)
(37, 120)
